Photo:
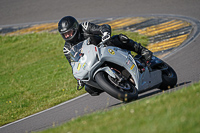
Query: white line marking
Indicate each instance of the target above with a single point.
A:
(44, 110)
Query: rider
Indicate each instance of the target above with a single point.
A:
(73, 33)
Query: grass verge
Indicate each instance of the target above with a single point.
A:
(167, 113)
(35, 75)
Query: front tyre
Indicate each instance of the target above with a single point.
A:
(169, 78)
(108, 85)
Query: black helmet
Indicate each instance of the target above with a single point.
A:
(68, 28)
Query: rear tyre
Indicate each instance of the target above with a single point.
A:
(169, 78)
(107, 84)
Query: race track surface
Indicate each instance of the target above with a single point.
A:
(185, 61)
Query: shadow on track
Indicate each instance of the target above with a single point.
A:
(154, 92)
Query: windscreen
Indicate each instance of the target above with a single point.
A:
(75, 52)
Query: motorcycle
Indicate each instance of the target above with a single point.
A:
(116, 72)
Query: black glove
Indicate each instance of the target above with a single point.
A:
(105, 36)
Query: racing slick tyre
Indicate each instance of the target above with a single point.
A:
(125, 92)
(169, 78)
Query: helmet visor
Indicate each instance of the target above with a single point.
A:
(68, 33)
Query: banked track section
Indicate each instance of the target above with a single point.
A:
(165, 32)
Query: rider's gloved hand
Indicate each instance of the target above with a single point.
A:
(105, 36)
(80, 83)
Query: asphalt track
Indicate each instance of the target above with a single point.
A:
(185, 61)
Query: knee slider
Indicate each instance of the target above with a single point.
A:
(146, 54)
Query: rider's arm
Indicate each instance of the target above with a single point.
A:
(66, 51)
(92, 28)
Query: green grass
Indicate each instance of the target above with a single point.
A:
(34, 74)
(167, 113)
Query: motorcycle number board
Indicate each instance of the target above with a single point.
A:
(132, 67)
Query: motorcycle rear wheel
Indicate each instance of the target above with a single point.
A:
(103, 80)
(169, 78)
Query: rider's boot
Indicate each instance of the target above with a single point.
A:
(122, 41)
(136, 47)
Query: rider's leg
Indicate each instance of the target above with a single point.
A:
(124, 42)
(93, 91)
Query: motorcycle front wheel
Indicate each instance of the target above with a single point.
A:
(126, 91)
